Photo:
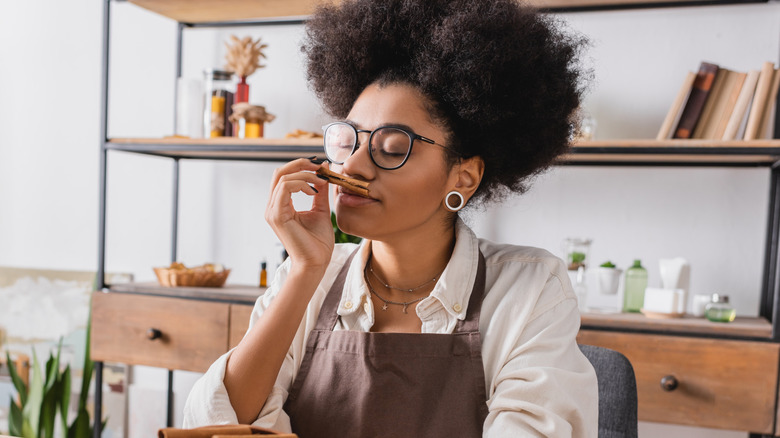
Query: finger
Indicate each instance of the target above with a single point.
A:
(321, 201)
(309, 177)
(292, 167)
(303, 168)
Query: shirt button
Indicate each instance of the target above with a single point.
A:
(348, 305)
(456, 307)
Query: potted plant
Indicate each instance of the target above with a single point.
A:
(609, 278)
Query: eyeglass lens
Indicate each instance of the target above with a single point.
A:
(388, 146)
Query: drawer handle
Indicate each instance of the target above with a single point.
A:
(669, 383)
(153, 334)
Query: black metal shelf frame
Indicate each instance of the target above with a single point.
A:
(770, 298)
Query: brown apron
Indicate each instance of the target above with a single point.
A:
(363, 384)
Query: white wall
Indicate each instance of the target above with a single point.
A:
(50, 54)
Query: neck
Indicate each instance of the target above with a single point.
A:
(409, 262)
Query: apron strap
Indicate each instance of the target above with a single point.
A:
(470, 324)
(329, 311)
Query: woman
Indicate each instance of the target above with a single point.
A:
(422, 329)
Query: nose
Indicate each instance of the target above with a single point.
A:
(359, 163)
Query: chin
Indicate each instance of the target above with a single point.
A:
(351, 224)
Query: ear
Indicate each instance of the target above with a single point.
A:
(467, 175)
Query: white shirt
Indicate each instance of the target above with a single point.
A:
(538, 382)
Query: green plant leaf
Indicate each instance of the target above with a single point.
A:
(577, 257)
(48, 414)
(89, 366)
(64, 397)
(19, 385)
(80, 427)
(31, 412)
(53, 368)
(27, 429)
(15, 419)
(607, 264)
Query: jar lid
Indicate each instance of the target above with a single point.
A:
(218, 75)
(718, 298)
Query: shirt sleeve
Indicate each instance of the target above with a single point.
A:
(546, 386)
(209, 403)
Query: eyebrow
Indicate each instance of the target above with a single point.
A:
(385, 125)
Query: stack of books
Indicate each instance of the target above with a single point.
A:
(716, 103)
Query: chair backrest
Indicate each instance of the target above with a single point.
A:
(617, 392)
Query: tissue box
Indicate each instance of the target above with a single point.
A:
(669, 301)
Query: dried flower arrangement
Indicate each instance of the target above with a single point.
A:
(244, 55)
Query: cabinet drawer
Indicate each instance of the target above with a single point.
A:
(723, 384)
(190, 334)
(239, 323)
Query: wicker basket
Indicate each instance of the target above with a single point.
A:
(198, 277)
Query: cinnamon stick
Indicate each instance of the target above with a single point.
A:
(355, 185)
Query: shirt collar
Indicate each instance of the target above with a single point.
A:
(452, 290)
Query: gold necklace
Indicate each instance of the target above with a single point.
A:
(386, 302)
(384, 283)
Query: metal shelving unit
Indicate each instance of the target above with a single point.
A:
(225, 13)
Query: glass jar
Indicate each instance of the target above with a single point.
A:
(719, 310)
(577, 250)
(218, 87)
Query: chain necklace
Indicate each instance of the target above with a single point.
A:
(384, 283)
(386, 302)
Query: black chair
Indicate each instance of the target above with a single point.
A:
(617, 392)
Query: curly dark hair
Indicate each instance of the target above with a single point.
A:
(501, 77)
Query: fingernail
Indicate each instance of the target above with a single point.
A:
(322, 177)
(312, 157)
(316, 160)
(315, 190)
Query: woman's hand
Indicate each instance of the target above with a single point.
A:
(306, 235)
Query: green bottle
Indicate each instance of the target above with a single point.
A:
(636, 283)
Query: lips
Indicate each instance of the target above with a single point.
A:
(348, 198)
(342, 190)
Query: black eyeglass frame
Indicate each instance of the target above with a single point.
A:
(411, 134)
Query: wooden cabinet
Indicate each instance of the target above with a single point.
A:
(717, 383)
(165, 332)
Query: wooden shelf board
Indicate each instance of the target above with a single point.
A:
(760, 152)
(749, 327)
(211, 11)
(244, 294)
(222, 148)
(679, 143)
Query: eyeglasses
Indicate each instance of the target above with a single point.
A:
(388, 146)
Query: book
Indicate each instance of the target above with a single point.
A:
(713, 101)
(733, 92)
(741, 107)
(763, 87)
(673, 115)
(696, 100)
(767, 122)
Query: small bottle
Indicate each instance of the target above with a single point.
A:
(719, 310)
(263, 275)
(636, 283)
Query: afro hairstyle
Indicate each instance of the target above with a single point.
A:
(501, 77)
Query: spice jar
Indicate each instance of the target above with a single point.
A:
(218, 103)
(719, 310)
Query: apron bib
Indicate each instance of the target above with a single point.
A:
(365, 385)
